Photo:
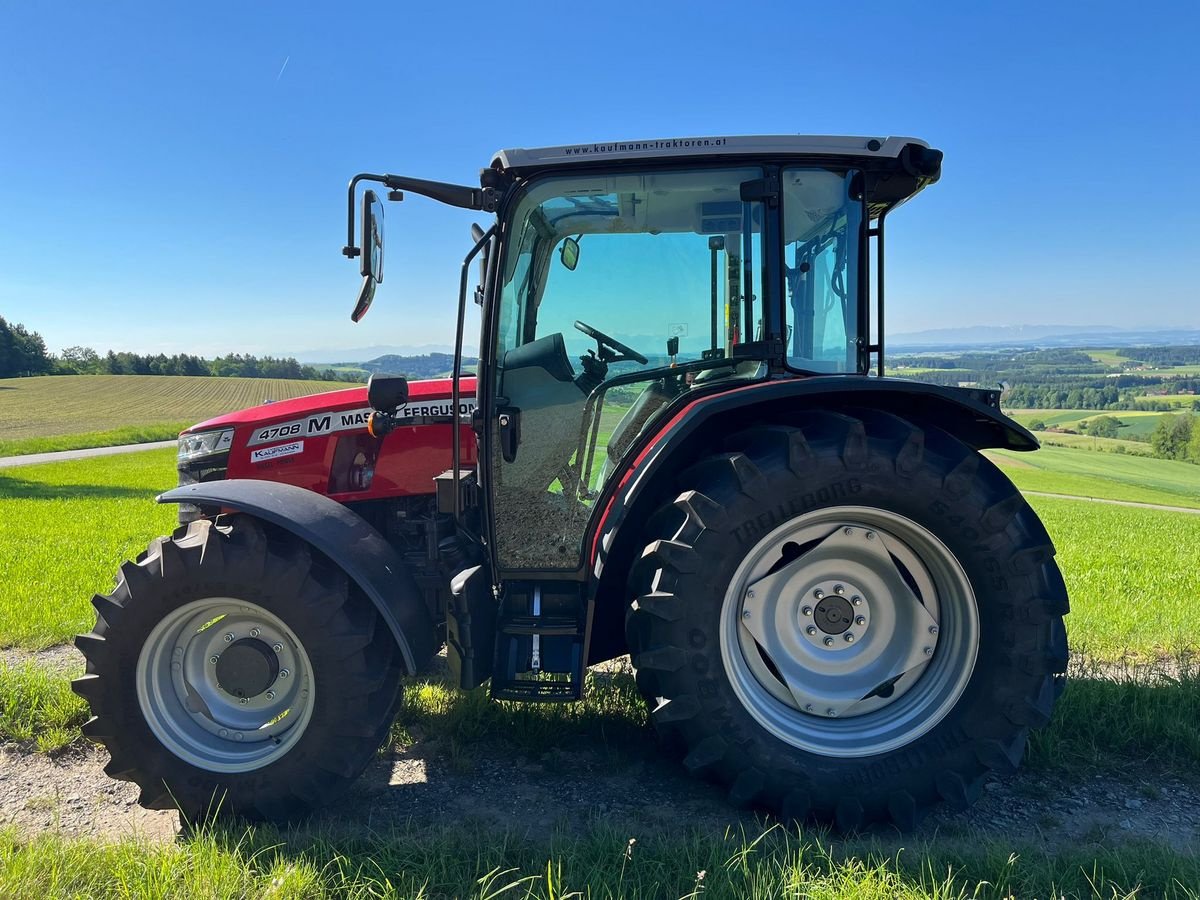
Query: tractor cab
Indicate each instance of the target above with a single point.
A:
(620, 279)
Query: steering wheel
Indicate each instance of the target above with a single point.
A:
(603, 340)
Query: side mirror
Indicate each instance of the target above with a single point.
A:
(569, 252)
(372, 253)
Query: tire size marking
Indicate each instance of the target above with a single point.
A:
(753, 529)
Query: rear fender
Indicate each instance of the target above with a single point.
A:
(343, 536)
(971, 415)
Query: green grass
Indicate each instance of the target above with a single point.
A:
(115, 437)
(1131, 575)
(1086, 442)
(50, 406)
(1134, 422)
(1108, 357)
(600, 862)
(37, 707)
(64, 529)
(1111, 476)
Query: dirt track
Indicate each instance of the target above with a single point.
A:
(635, 790)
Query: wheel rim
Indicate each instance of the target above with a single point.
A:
(225, 715)
(849, 631)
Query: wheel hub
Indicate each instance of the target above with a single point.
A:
(833, 615)
(247, 668)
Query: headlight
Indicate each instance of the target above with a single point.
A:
(204, 443)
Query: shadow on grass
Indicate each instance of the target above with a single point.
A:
(1125, 715)
(16, 488)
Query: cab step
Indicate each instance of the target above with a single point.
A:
(541, 636)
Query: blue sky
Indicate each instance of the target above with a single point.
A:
(168, 183)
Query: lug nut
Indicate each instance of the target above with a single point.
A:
(270, 695)
(284, 673)
(750, 594)
(810, 630)
(929, 651)
(848, 531)
(848, 637)
(870, 535)
(243, 701)
(933, 629)
(828, 642)
(229, 638)
(818, 593)
(213, 659)
(808, 707)
(838, 589)
(277, 647)
(856, 600)
(860, 620)
(253, 632)
(831, 711)
(807, 610)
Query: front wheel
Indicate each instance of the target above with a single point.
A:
(848, 618)
(234, 671)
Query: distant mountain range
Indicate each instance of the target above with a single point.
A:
(427, 356)
(999, 336)
(361, 354)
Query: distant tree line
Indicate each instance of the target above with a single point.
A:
(86, 361)
(1159, 357)
(23, 352)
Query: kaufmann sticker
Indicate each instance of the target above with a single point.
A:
(353, 419)
(279, 450)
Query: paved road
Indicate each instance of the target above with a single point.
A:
(30, 459)
(1182, 509)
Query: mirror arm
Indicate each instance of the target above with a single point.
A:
(485, 199)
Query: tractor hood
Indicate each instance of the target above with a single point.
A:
(330, 401)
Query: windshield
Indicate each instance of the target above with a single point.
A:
(647, 244)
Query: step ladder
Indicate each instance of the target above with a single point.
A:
(541, 633)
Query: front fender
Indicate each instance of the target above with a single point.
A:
(343, 536)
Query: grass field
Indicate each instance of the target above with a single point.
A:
(767, 862)
(1086, 442)
(72, 404)
(1135, 588)
(64, 528)
(1134, 423)
(1112, 476)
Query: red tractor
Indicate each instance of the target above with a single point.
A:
(835, 605)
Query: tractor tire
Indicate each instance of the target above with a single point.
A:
(848, 618)
(233, 672)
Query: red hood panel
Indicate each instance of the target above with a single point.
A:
(350, 398)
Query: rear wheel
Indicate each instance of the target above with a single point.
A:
(849, 618)
(233, 671)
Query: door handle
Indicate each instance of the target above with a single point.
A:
(509, 421)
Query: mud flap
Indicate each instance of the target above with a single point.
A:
(471, 627)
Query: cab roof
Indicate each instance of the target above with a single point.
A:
(719, 145)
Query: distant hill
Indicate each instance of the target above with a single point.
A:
(427, 365)
(999, 336)
(358, 354)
